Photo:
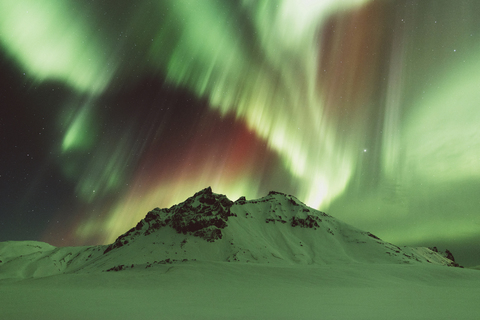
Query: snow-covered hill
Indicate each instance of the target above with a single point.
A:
(277, 229)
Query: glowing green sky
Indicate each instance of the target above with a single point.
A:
(54, 40)
(365, 109)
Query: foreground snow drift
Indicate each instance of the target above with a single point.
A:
(222, 290)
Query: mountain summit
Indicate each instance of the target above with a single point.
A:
(275, 229)
(204, 215)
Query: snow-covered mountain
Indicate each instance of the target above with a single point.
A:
(277, 229)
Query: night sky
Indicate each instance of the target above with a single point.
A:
(367, 110)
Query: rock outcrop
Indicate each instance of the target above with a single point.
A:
(204, 215)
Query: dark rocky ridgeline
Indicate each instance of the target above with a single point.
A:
(304, 218)
(203, 215)
(122, 267)
(310, 221)
(447, 254)
(206, 214)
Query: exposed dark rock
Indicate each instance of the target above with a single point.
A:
(203, 215)
(122, 267)
(209, 234)
(309, 222)
(278, 219)
(271, 193)
(373, 236)
(241, 200)
(118, 268)
(447, 254)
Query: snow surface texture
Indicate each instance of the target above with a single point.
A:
(211, 258)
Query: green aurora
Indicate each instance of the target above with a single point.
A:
(367, 110)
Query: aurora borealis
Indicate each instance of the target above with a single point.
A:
(367, 110)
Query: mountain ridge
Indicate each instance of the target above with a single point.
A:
(277, 229)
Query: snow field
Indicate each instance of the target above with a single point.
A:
(216, 290)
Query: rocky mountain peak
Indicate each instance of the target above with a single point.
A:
(202, 215)
(277, 228)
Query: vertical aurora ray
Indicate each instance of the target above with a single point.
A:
(429, 138)
(365, 109)
(265, 72)
(270, 81)
(447, 123)
(225, 154)
(275, 94)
